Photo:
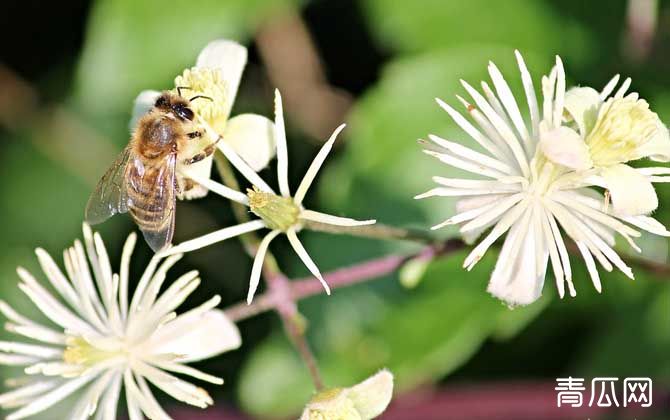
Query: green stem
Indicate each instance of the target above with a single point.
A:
(376, 231)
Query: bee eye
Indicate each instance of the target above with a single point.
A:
(183, 112)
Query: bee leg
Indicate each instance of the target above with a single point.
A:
(194, 135)
(206, 152)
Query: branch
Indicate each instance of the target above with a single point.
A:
(293, 322)
(370, 270)
(348, 276)
(376, 231)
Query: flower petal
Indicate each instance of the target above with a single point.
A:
(282, 151)
(217, 188)
(565, 147)
(314, 167)
(203, 337)
(582, 104)
(372, 396)
(252, 137)
(329, 219)
(658, 147)
(18, 396)
(306, 259)
(214, 237)
(230, 58)
(517, 279)
(632, 193)
(50, 398)
(256, 269)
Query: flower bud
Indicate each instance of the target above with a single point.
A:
(364, 401)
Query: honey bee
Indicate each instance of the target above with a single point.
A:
(142, 180)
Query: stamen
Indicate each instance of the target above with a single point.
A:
(280, 213)
(623, 126)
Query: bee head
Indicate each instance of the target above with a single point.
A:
(182, 111)
(176, 105)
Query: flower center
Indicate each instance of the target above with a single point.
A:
(279, 213)
(332, 404)
(623, 125)
(206, 82)
(81, 352)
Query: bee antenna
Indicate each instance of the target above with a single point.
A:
(179, 88)
(200, 96)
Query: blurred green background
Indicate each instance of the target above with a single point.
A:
(70, 71)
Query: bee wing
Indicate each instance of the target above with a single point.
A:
(156, 214)
(110, 195)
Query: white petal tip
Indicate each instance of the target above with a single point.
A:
(337, 132)
(325, 285)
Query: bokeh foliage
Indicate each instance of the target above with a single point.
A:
(445, 325)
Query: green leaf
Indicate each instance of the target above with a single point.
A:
(135, 45)
(523, 24)
(44, 202)
(420, 335)
(274, 367)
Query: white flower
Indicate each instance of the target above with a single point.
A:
(281, 213)
(103, 343)
(363, 401)
(604, 133)
(217, 76)
(528, 196)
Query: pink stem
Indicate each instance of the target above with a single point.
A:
(358, 273)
